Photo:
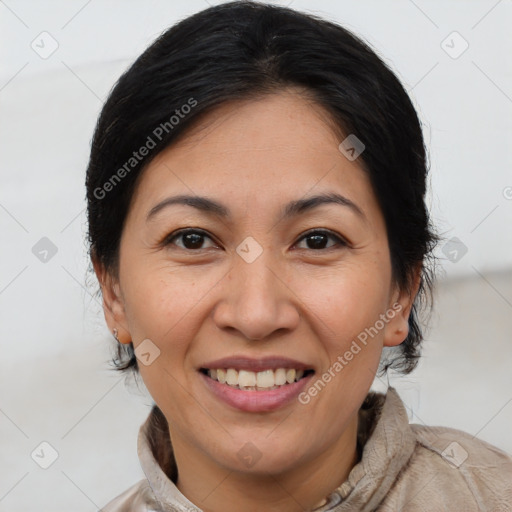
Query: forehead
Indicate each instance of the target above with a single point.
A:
(265, 151)
(283, 121)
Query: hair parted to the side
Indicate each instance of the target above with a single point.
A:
(245, 50)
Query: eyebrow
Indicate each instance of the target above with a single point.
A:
(294, 208)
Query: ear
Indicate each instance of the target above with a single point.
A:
(113, 305)
(397, 328)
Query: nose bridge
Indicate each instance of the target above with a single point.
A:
(258, 286)
(256, 301)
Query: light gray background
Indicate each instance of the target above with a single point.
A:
(54, 378)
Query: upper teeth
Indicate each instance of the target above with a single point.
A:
(264, 379)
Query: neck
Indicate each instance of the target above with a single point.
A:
(303, 487)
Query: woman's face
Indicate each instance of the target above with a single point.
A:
(256, 277)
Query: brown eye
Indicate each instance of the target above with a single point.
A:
(192, 239)
(317, 240)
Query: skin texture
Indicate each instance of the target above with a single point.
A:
(294, 300)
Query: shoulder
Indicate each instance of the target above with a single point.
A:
(460, 450)
(452, 464)
(138, 498)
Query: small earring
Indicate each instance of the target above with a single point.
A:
(116, 335)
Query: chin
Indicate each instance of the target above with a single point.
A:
(261, 456)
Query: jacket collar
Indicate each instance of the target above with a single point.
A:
(385, 443)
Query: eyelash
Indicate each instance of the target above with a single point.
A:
(181, 232)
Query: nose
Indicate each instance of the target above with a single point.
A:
(256, 301)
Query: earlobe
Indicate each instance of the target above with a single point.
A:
(113, 307)
(397, 329)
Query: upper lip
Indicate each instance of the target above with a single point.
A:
(256, 364)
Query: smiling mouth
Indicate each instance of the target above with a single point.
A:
(265, 380)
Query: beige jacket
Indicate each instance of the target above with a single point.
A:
(404, 467)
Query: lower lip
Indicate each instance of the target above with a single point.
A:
(256, 401)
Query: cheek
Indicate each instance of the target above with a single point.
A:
(345, 307)
(347, 300)
(169, 307)
(162, 306)
(159, 298)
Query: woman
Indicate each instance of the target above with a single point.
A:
(258, 227)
